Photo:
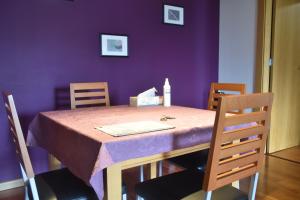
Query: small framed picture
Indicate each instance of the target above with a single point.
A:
(114, 45)
(173, 15)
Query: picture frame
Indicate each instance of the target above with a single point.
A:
(173, 14)
(114, 45)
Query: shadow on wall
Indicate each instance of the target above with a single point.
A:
(38, 156)
(62, 98)
(25, 121)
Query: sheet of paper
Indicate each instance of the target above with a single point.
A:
(131, 128)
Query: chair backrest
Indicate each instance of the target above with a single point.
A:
(17, 135)
(221, 89)
(89, 94)
(228, 159)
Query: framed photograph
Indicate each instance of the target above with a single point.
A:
(114, 45)
(173, 15)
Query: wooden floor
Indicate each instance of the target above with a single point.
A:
(13, 194)
(279, 180)
(292, 154)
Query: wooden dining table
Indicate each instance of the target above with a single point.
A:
(72, 137)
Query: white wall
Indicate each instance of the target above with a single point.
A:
(237, 43)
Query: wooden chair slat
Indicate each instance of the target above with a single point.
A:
(14, 134)
(236, 176)
(89, 86)
(89, 94)
(229, 136)
(89, 90)
(9, 114)
(13, 130)
(215, 103)
(19, 155)
(244, 102)
(217, 95)
(240, 147)
(245, 118)
(241, 161)
(90, 102)
(10, 120)
(237, 143)
(7, 108)
(18, 150)
(236, 157)
(230, 87)
(235, 170)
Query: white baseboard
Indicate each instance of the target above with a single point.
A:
(11, 184)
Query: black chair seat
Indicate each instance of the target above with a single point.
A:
(62, 185)
(193, 160)
(179, 185)
(172, 186)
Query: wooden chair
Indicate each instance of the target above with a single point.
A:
(92, 94)
(89, 94)
(222, 89)
(57, 184)
(228, 161)
(199, 159)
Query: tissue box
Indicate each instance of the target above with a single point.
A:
(145, 101)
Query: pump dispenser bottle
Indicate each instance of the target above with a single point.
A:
(167, 93)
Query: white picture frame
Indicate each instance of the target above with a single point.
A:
(173, 15)
(114, 45)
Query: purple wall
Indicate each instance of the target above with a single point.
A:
(46, 44)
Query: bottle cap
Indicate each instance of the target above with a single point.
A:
(167, 81)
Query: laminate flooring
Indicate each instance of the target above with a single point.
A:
(279, 180)
(291, 154)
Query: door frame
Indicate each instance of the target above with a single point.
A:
(263, 45)
(263, 48)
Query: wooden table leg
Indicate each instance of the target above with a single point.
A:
(114, 183)
(153, 170)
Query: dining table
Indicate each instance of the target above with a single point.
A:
(73, 138)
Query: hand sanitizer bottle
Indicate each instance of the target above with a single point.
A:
(167, 93)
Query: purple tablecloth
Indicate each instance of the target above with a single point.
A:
(72, 138)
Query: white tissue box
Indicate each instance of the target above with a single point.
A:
(145, 101)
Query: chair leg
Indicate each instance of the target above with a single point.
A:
(26, 182)
(25, 178)
(141, 173)
(207, 195)
(253, 186)
(26, 192)
(139, 198)
(34, 191)
(141, 180)
(160, 168)
(236, 184)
